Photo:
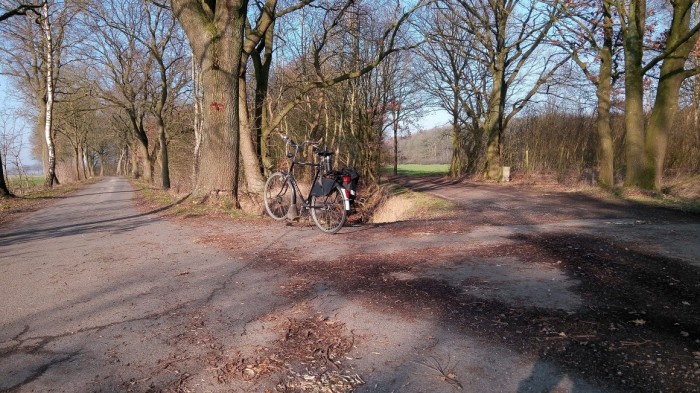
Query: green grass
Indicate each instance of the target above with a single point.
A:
(419, 169)
(24, 184)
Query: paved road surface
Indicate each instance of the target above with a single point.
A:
(100, 297)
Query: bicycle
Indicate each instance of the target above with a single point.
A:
(328, 201)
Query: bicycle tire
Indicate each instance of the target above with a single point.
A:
(328, 212)
(278, 195)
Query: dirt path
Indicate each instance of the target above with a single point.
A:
(521, 292)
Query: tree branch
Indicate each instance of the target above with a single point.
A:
(20, 10)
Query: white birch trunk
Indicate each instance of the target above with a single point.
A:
(46, 27)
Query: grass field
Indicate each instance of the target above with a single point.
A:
(419, 170)
(30, 181)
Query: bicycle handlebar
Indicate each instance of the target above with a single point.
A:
(290, 142)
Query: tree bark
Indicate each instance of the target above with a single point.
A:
(603, 92)
(142, 154)
(493, 123)
(249, 156)
(164, 160)
(215, 33)
(160, 122)
(634, 93)
(197, 96)
(51, 178)
(262, 65)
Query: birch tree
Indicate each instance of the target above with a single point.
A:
(51, 178)
(25, 51)
(20, 9)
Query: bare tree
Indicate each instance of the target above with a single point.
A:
(166, 46)
(681, 41)
(457, 84)
(508, 38)
(645, 148)
(19, 9)
(124, 69)
(335, 81)
(405, 101)
(49, 62)
(590, 33)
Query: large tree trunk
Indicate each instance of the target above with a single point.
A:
(634, 94)
(492, 129)
(606, 154)
(143, 155)
(215, 33)
(493, 126)
(667, 94)
(218, 161)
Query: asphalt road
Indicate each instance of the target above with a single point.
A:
(95, 293)
(98, 296)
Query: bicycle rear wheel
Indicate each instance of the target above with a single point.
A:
(328, 212)
(278, 195)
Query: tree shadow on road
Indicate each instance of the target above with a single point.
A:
(637, 330)
(49, 229)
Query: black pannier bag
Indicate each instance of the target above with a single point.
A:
(323, 188)
(350, 178)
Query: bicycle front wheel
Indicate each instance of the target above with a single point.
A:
(278, 196)
(328, 212)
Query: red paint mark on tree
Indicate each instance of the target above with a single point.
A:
(217, 106)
